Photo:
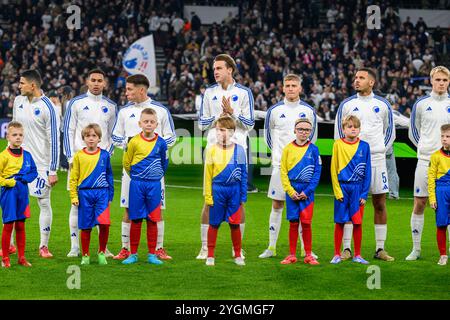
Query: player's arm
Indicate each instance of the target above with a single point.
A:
(164, 153)
(51, 127)
(432, 176)
(367, 176)
(246, 118)
(287, 187)
(110, 179)
(31, 174)
(128, 156)
(415, 124)
(11, 182)
(74, 177)
(340, 114)
(205, 120)
(268, 127)
(244, 175)
(111, 123)
(168, 130)
(314, 132)
(15, 105)
(207, 177)
(70, 122)
(334, 167)
(314, 182)
(118, 133)
(388, 127)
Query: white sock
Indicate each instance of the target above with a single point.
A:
(417, 221)
(347, 237)
(242, 227)
(11, 243)
(204, 235)
(126, 235)
(45, 220)
(274, 226)
(73, 226)
(448, 230)
(300, 236)
(160, 239)
(380, 235)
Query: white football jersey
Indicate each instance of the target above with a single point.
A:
(83, 110)
(242, 103)
(127, 125)
(41, 130)
(377, 123)
(429, 113)
(280, 124)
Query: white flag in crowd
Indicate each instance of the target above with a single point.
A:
(140, 58)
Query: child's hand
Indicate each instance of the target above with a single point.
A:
(295, 196)
(433, 205)
(362, 202)
(75, 203)
(341, 199)
(303, 196)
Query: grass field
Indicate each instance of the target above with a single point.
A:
(187, 278)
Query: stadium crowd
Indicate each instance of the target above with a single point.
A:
(268, 40)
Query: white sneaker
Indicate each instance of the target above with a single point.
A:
(242, 253)
(203, 254)
(209, 261)
(74, 252)
(268, 253)
(442, 260)
(414, 255)
(108, 253)
(239, 261)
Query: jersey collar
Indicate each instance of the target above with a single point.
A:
(93, 96)
(439, 97)
(366, 98)
(291, 104)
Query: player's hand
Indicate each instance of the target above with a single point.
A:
(226, 105)
(295, 196)
(362, 202)
(52, 180)
(70, 165)
(341, 199)
(303, 196)
(75, 203)
(433, 205)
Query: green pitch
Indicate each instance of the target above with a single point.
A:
(187, 278)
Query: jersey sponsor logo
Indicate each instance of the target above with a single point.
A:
(105, 109)
(356, 109)
(429, 109)
(37, 111)
(282, 116)
(132, 116)
(234, 97)
(86, 108)
(214, 98)
(376, 109)
(302, 115)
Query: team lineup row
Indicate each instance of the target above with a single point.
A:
(226, 97)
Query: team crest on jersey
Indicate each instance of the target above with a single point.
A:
(37, 111)
(282, 116)
(376, 109)
(448, 109)
(234, 97)
(429, 109)
(86, 108)
(105, 109)
(302, 115)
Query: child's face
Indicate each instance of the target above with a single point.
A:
(445, 139)
(223, 135)
(15, 137)
(350, 131)
(148, 123)
(302, 131)
(91, 139)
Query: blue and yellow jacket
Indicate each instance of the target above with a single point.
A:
(438, 173)
(146, 159)
(350, 162)
(225, 167)
(91, 171)
(16, 167)
(300, 164)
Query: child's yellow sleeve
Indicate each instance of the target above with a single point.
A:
(287, 187)
(334, 173)
(74, 176)
(128, 156)
(207, 177)
(3, 181)
(432, 176)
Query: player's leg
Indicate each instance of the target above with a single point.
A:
(340, 219)
(204, 226)
(103, 221)
(217, 214)
(442, 221)
(160, 250)
(293, 240)
(306, 214)
(242, 229)
(21, 240)
(237, 243)
(234, 212)
(6, 238)
(126, 223)
(420, 202)
(153, 203)
(278, 196)
(73, 226)
(45, 223)
(85, 243)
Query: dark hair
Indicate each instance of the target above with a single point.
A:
(370, 71)
(97, 70)
(138, 80)
(32, 76)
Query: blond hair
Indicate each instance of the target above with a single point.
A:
(89, 127)
(226, 122)
(302, 121)
(292, 77)
(442, 69)
(15, 124)
(353, 119)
